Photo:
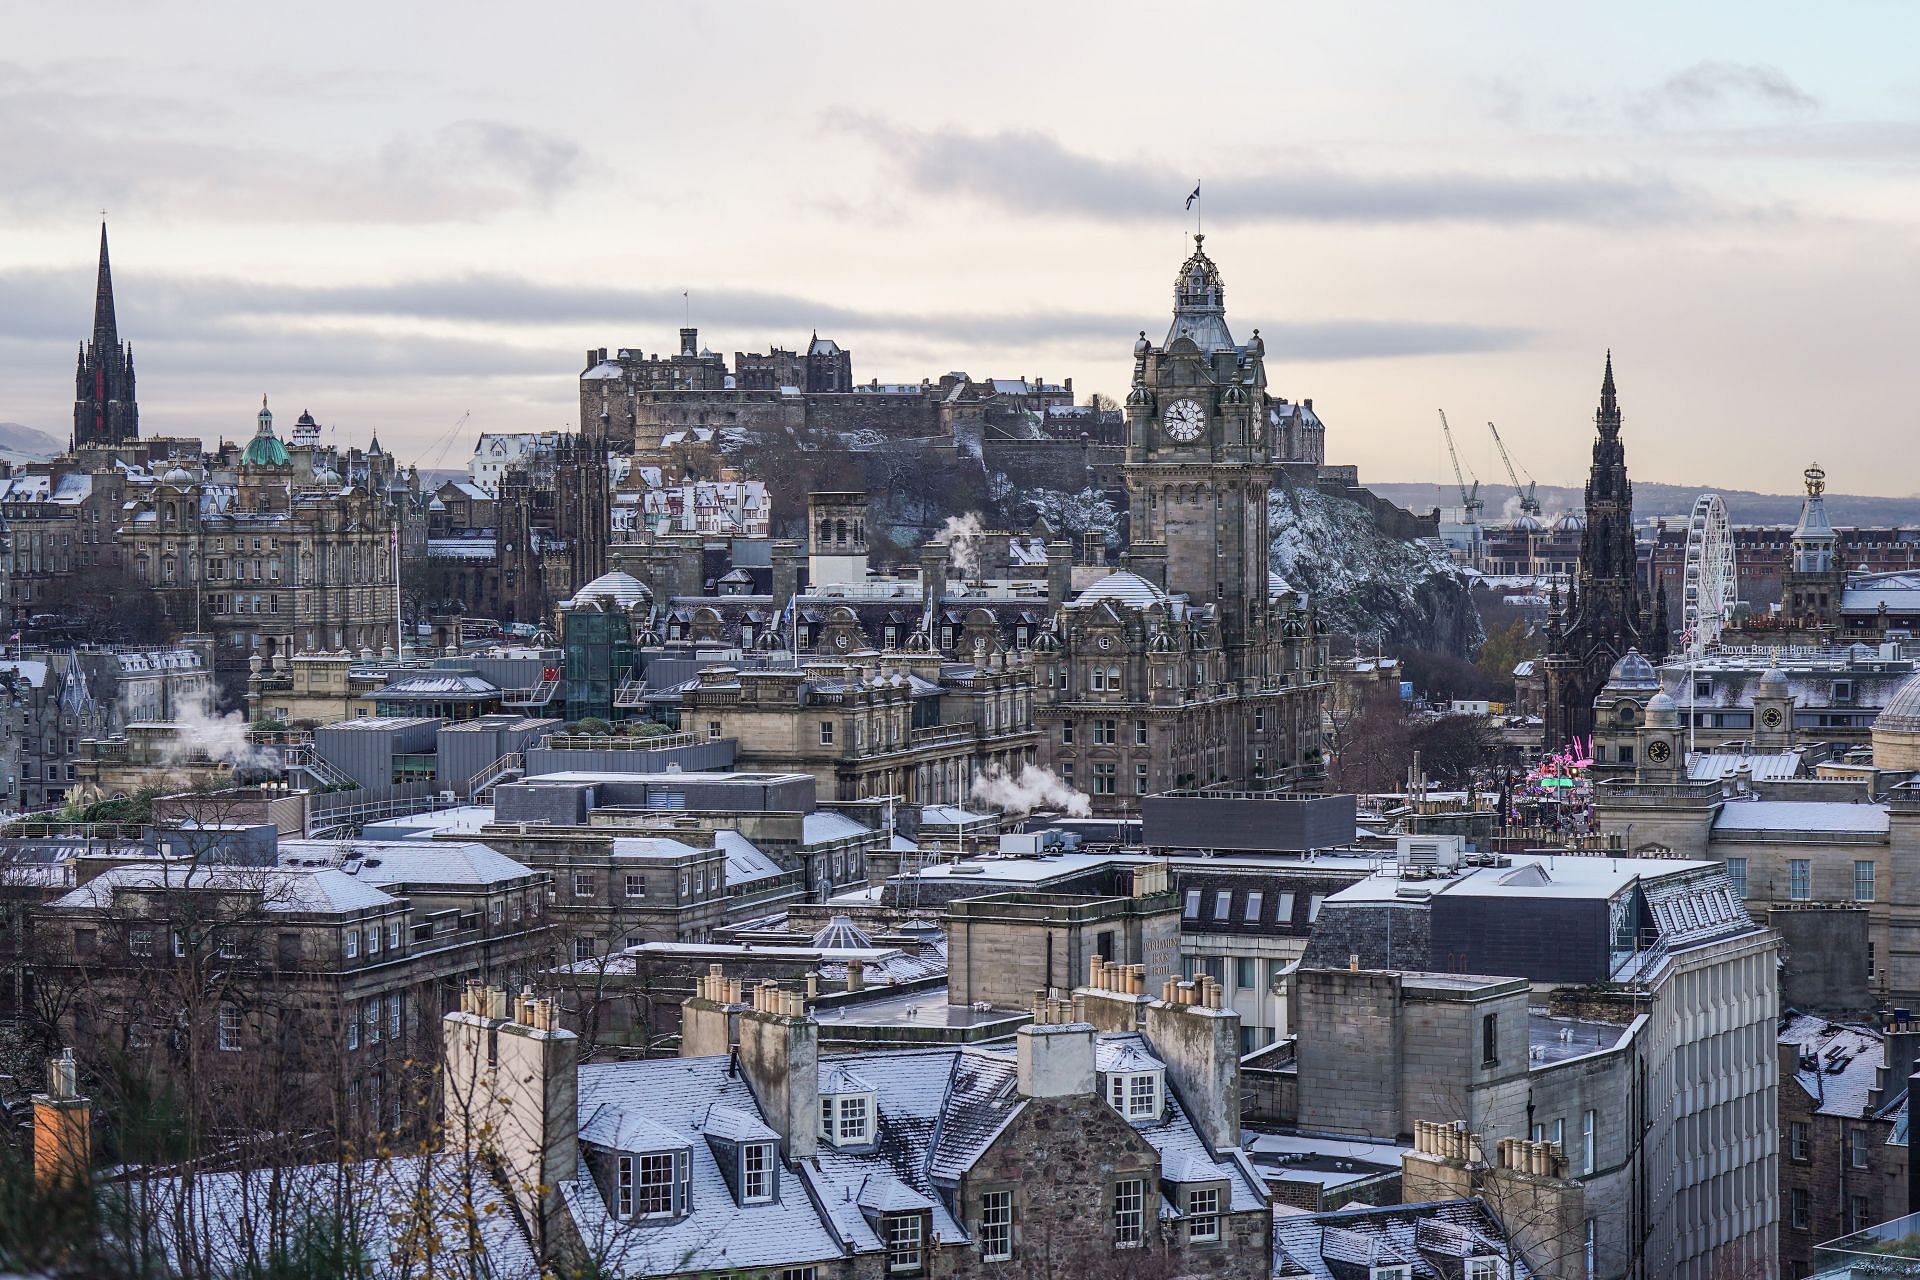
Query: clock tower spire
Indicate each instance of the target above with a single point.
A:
(1199, 460)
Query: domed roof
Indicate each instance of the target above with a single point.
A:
(1662, 712)
(265, 449)
(1569, 521)
(1633, 672)
(842, 934)
(1774, 680)
(625, 589)
(1525, 524)
(1277, 586)
(1902, 712)
(177, 474)
(1122, 588)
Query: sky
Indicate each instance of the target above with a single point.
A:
(416, 219)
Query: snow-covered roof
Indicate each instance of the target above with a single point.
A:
(1121, 587)
(32, 671)
(824, 825)
(1767, 766)
(746, 864)
(625, 589)
(1815, 816)
(281, 889)
(402, 863)
(1838, 1063)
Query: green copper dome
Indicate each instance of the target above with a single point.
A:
(265, 450)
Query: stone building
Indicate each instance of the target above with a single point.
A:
(1662, 1094)
(1107, 1133)
(1841, 1168)
(281, 554)
(1605, 614)
(304, 985)
(554, 526)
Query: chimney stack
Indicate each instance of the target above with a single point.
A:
(62, 1126)
(1055, 1051)
(510, 1091)
(780, 1054)
(1199, 1040)
(710, 1018)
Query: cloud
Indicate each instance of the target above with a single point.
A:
(1032, 173)
(1708, 87)
(183, 157)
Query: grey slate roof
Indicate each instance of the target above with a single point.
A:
(1434, 1238)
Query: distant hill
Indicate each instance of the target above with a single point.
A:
(1652, 499)
(17, 440)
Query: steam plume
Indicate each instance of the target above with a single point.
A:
(1033, 788)
(960, 533)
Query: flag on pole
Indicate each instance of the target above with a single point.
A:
(1194, 196)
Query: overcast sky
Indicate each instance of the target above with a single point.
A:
(396, 215)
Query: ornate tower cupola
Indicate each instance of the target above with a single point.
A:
(1200, 303)
(1813, 582)
(104, 408)
(265, 449)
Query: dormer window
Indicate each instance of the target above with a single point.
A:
(1135, 1094)
(756, 1173)
(1485, 1269)
(1392, 1271)
(651, 1185)
(846, 1119)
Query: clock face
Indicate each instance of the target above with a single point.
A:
(1771, 717)
(1658, 751)
(1185, 420)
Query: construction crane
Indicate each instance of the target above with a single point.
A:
(1529, 505)
(1470, 502)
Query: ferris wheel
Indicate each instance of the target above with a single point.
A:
(1711, 581)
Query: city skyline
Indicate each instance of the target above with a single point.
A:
(1454, 214)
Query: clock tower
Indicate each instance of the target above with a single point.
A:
(1200, 462)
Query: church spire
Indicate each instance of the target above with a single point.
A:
(106, 333)
(1607, 418)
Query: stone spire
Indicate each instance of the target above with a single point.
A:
(104, 409)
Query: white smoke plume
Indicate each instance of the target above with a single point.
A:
(960, 533)
(1032, 788)
(201, 734)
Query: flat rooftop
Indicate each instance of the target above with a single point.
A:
(1324, 1162)
(1025, 870)
(924, 1008)
(661, 778)
(1556, 876)
(1553, 1039)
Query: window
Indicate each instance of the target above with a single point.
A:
(372, 1016)
(1393, 1272)
(353, 1034)
(854, 1116)
(353, 944)
(1192, 909)
(1586, 1142)
(1203, 1215)
(1857, 1149)
(1313, 906)
(636, 886)
(373, 939)
(1243, 973)
(756, 1172)
(180, 945)
(1103, 733)
(1737, 872)
(1136, 1094)
(1129, 1213)
(1863, 880)
(1139, 779)
(996, 1226)
(393, 1017)
(1066, 733)
(906, 1236)
(583, 948)
(229, 1040)
(1800, 874)
(652, 1196)
(1858, 1213)
(1483, 1269)
(1104, 780)
(1798, 1209)
(393, 936)
(1139, 733)
(1560, 1135)
(1593, 1253)
(582, 885)
(140, 942)
(1223, 904)
(1490, 1040)
(826, 733)
(1797, 1140)
(1253, 908)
